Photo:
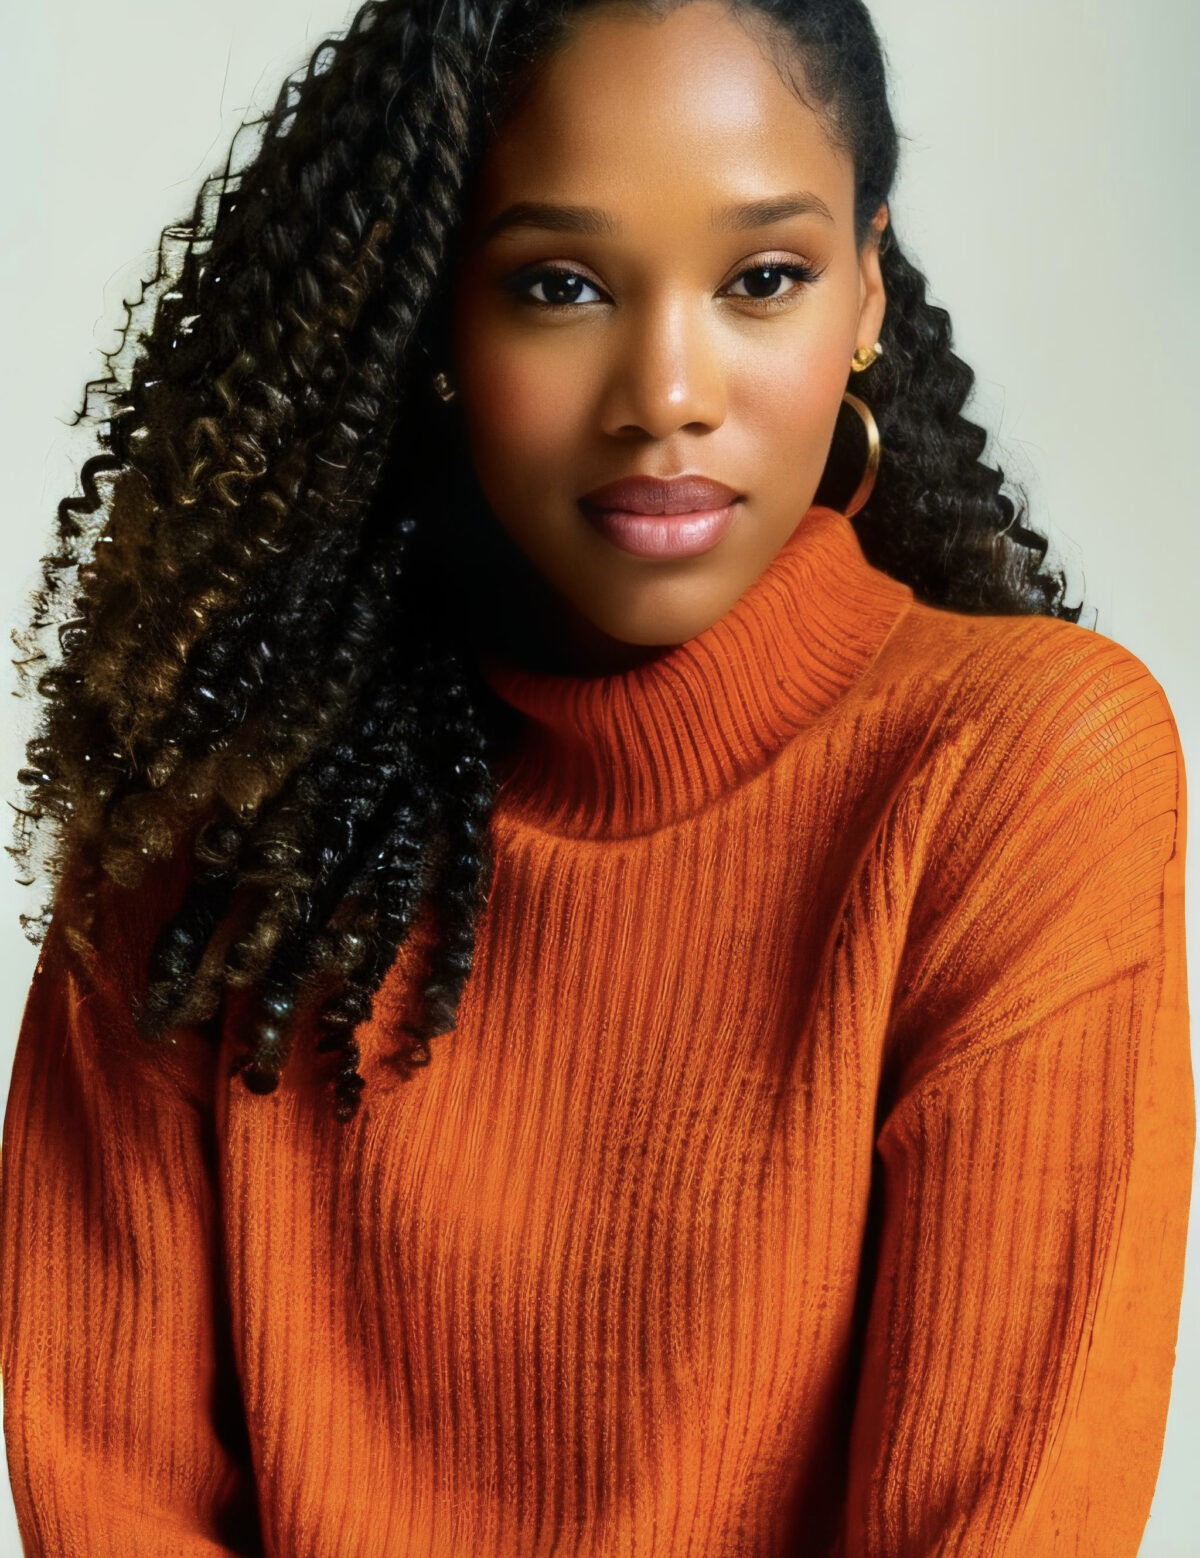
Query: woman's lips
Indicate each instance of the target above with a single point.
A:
(662, 535)
(651, 517)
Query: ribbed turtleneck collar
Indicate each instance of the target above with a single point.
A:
(618, 754)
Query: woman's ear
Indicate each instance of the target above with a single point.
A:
(872, 296)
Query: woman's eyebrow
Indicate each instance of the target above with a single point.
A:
(592, 221)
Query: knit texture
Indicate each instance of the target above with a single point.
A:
(807, 1172)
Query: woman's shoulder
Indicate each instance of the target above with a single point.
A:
(93, 971)
(1045, 826)
(1020, 722)
(1043, 684)
(105, 925)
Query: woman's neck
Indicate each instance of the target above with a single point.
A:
(614, 754)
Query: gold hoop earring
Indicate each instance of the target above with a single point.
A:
(863, 491)
(442, 386)
(864, 356)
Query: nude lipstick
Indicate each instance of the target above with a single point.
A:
(652, 517)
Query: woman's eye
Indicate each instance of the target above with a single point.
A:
(762, 280)
(561, 288)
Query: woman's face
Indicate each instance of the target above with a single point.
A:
(661, 357)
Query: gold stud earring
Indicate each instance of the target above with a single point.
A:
(864, 356)
(442, 386)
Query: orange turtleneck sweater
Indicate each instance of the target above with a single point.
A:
(807, 1173)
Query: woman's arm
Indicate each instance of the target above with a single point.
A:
(1036, 1157)
(121, 1405)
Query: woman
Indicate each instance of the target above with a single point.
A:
(616, 979)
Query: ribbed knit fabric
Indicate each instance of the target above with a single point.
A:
(807, 1173)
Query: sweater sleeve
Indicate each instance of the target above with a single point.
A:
(121, 1408)
(1035, 1147)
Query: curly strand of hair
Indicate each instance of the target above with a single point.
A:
(378, 906)
(178, 955)
(462, 875)
(163, 760)
(315, 636)
(310, 839)
(364, 945)
(312, 842)
(392, 880)
(344, 439)
(202, 541)
(248, 774)
(962, 542)
(117, 601)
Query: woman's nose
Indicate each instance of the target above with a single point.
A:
(667, 376)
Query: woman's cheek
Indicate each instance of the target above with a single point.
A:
(521, 403)
(794, 404)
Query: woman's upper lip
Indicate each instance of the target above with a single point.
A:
(652, 495)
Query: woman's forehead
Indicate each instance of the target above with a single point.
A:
(633, 107)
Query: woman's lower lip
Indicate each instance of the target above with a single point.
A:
(662, 535)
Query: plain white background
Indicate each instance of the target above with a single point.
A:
(1047, 189)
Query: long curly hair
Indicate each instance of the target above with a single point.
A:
(235, 640)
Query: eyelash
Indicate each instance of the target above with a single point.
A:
(804, 274)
